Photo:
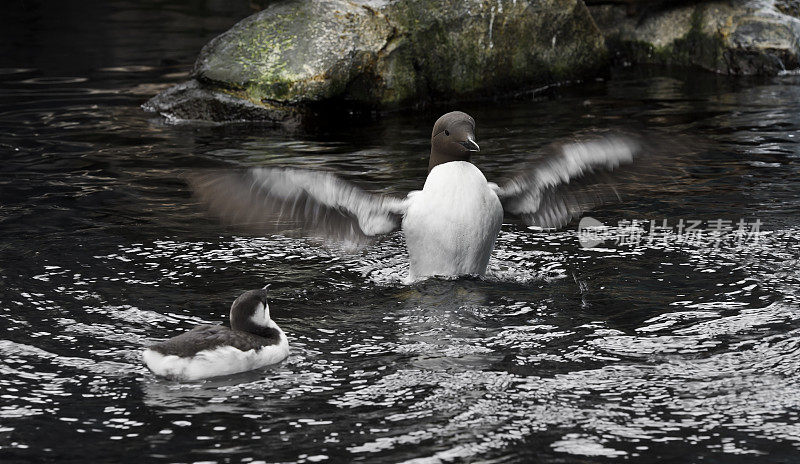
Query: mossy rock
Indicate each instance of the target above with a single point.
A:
(296, 55)
(731, 37)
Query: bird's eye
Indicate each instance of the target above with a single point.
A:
(447, 133)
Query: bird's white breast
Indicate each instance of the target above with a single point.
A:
(223, 360)
(451, 225)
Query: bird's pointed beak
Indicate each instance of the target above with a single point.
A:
(470, 144)
(265, 294)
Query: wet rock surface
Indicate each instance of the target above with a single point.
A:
(280, 63)
(296, 59)
(731, 37)
(193, 101)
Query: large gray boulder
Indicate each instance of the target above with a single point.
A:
(298, 55)
(740, 37)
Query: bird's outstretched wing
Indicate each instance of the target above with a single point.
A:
(572, 178)
(297, 202)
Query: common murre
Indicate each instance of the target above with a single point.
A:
(450, 225)
(252, 341)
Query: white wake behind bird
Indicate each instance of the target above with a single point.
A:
(451, 224)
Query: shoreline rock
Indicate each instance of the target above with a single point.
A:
(300, 58)
(737, 37)
(280, 63)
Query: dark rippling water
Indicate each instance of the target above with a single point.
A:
(671, 349)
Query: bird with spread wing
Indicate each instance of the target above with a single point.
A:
(451, 225)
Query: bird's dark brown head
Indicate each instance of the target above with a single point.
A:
(250, 312)
(452, 139)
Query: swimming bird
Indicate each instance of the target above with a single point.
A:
(252, 341)
(450, 225)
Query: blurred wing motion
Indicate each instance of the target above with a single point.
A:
(295, 201)
(575, 177)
